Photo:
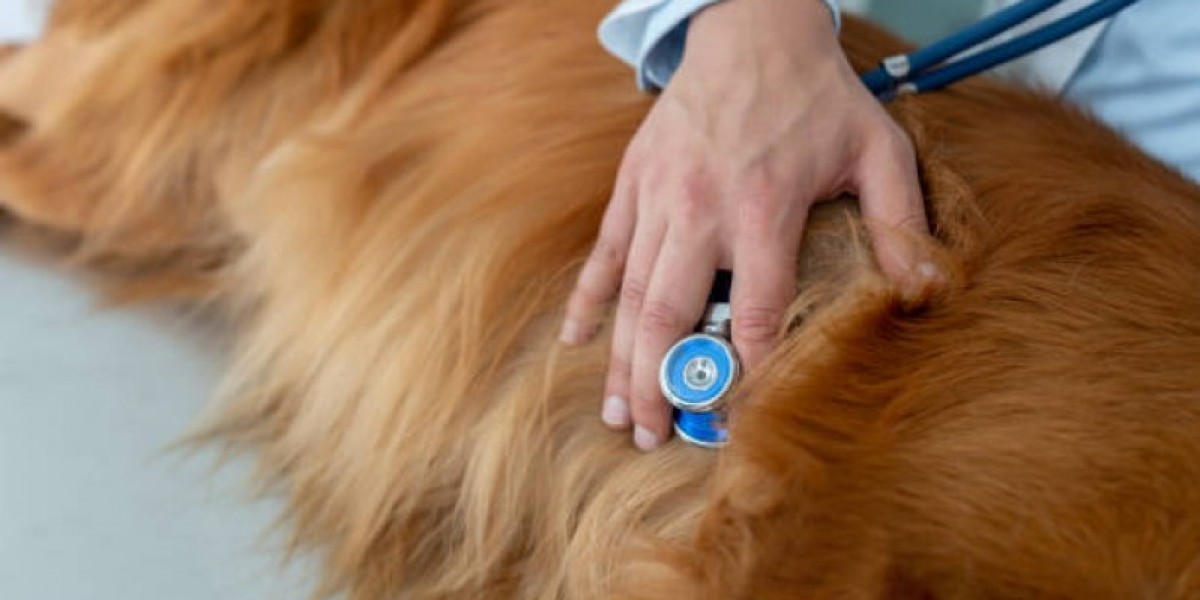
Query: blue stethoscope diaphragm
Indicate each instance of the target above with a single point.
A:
(698, 372)
(706, 430)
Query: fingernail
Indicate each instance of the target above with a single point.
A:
(615, 412)
(572, 334)
(929, 271)
(926, 278)
(644, 439)
(932, 277)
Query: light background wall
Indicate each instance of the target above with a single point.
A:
(924, 20)
(20, 19)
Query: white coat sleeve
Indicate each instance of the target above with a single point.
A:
(649, 35)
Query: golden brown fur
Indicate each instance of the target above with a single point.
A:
(390, 198)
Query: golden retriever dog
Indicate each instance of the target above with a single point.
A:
(390, 200)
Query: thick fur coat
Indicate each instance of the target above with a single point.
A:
(390, 199)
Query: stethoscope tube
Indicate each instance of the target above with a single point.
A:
(888, 74)
(919, 72)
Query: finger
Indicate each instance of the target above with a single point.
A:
(642, 255)
(894, 212)
(764, 285)
(600, 277)
(674, 303)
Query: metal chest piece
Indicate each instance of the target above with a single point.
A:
(699, 371)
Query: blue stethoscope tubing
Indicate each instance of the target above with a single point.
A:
(919, 72)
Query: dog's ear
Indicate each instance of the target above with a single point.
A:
(11, 128)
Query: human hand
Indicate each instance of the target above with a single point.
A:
(763, 118)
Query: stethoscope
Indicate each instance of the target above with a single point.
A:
(699, 372)
(927, 69)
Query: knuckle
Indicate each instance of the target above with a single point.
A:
(759, 207)
(597, 281)
(648, 410)
(660, 318)
(588, 293)
(695, 183)
(633, 292)
(912, 221)
(647, 401)
(619, 366)
(694, 210)
(897, 145)
(685, 197)
(756, 324)
(607, 255)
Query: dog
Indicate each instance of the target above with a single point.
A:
(389, 200)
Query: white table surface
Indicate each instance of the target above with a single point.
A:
(20, 19)
(93, 505)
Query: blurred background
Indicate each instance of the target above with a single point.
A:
(20, 19)
(918, 20)
(921, 20)
(92, 504)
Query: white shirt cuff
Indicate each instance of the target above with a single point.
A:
(650, 35)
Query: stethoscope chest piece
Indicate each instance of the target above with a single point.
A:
(701, 429)
(698, 372)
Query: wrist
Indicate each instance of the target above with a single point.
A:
(797, 17)
(762, 35)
